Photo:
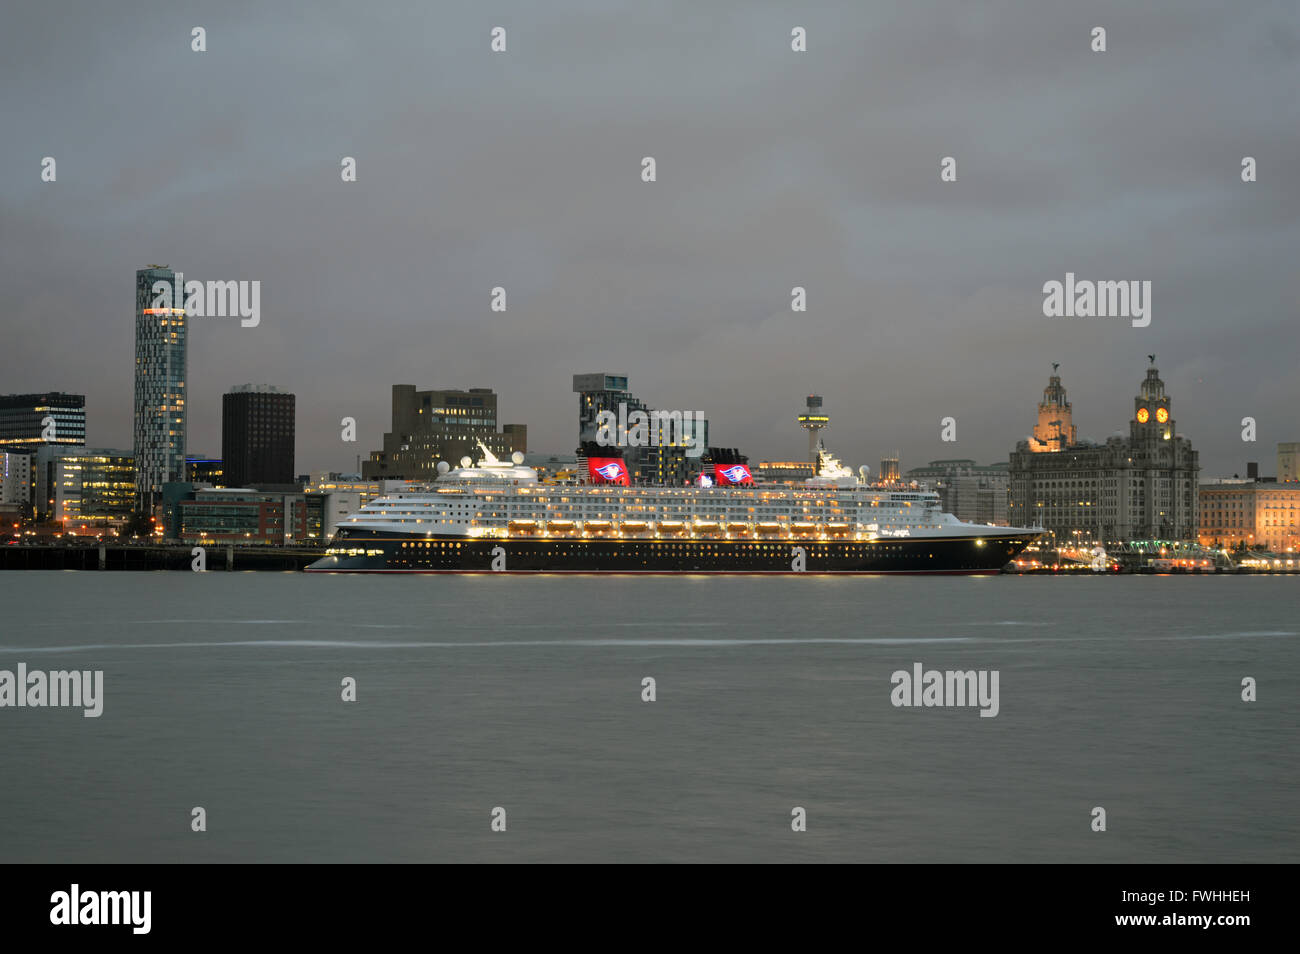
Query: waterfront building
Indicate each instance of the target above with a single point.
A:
(29, 422)
(677, 441)
(161, 351)
(32, 420)
(1143, 486)
(347, 493)
(92, 487)
(1259, 513)
(440, 425)
(1288, 463)
(245, 516)
(15, 485)
(257, 435)
(305, 516)
(969, 491)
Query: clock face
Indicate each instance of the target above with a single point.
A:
(1162, 415)
(1143, 415)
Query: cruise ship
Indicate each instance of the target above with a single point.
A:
(495, 516)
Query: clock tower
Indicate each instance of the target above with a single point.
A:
(1162, 486)
(1152, 421)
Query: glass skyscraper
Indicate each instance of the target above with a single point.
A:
(160, 353)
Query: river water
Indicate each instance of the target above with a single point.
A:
(224, 691)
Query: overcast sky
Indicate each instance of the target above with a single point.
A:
(775, 169)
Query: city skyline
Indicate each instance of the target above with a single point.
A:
(1264, 454)
(821, 171)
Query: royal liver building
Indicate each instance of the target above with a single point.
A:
(1140, 487)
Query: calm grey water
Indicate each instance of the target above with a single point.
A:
(222, 690)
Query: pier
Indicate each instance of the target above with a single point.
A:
(117, 556)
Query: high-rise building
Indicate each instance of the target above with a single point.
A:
(30, 420)
(161, 346)
(433, 426)
(1288, 463)
(257, 435)
(1139, 487)
(671, 450)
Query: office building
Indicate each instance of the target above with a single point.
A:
(1254, 512)
(15, 485)
(31, 420)
(244, 516)
(202, 469)
(257, 436)
(972, 492)
(440, 425)
(1288, 463)
(345, 494)
(1142, 486)
(91, 487)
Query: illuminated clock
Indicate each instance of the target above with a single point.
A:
(1143, 415)
(1162, 414)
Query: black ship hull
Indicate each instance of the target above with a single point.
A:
(362, 551)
